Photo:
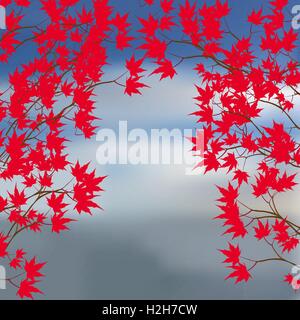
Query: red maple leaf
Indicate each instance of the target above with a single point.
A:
(56, 202)
(134, 66)
(17, 198)
(240, 272)
(27, 288)
(3, 245)
(262, 230)
(232, 254)
(133, 86)
(167, 5)
(32, 269)
(256, 17)
(241, 176)
(59, 222)
(165, 68)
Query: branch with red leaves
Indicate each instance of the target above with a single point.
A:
(246, 81)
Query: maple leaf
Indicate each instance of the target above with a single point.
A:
(166, 23)
(16, 145)
(32, 269)
(222, 9)
(230, 212)
(211, 162)
(249, 143)
(216, 146)
(155, 48)
(240, 272)
(205, 114)
(59, 222)
(165, 68)
(45, 180)
(290, 244)
(3, 203)
(262, 230)
(54, 142)
(66, 88)
(56, 202)
(285, 182)
(133, 85)
(241, 176)
(228, 195)
(230, 161)
(20, 253)
(289, 39)
(232, 254)
(150, 26)
(15, 263)
(84, 198)
(297, 156)
(167, 5)
(17, 217)
(282, 236)
(80, 172)
(123, 40)
(134, 66)
(293, 281)
(27, 288)
(120, 22)
(85, 16)
(256, 17)
(189, 21)
(200, 68)
(52, 9)
(3, 245)
(17, 198)
(288, 278)
(12, 21)
(29, 181)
